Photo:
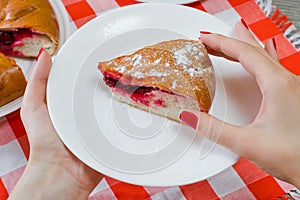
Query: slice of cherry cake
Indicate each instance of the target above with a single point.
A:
(26, 27)
(163, 79)
(12, 80)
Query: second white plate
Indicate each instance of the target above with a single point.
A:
(65, 30)
(123, 142)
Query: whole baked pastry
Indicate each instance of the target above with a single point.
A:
(26, 26)
(163, 79)
(12, 80)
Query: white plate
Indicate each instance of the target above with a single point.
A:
(28, 64)
(123, 142)
(169, 1)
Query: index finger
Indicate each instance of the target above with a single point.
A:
(252, 58)
(244, 34)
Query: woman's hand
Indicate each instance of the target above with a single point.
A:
(272, 140)
(53, 172)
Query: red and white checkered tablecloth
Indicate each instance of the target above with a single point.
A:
(241, 181)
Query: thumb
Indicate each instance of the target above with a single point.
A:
(214, 129)
(35, 93)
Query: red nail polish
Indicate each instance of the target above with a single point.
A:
(244, 23)
(205, 32)
(189, 119)
(39, 54)
(274, 43)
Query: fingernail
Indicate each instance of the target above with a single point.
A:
(205, 32)
(274, 43)
(39, 54)
(244, 23)
(189, 118)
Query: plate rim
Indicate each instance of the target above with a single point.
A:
(67, 44)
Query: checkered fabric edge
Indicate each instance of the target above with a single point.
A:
(241, 181)
(282, 22)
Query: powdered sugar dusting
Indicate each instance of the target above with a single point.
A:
(152, 72)
(198, 72)
(174, 84)
(157, 61)
(189, 50)
(191, 71)
(121, 69)
(136, 60)
(138, 74)
(184, 55)
(181, 59)
(208, 70)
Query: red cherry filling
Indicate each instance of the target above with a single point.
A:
(140, 94)
(6, 37)
(13, 38)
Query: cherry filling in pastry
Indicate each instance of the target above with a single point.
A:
(12, 40)
(140, 94)
(152, 99)
(163, 79)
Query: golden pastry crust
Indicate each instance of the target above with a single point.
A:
(12, 80)
(36, 15)
(180, 66)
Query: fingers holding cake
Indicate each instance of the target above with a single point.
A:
(244, 35)
(251, 57)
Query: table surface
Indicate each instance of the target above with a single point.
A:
(240, 181)
(291, 8)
